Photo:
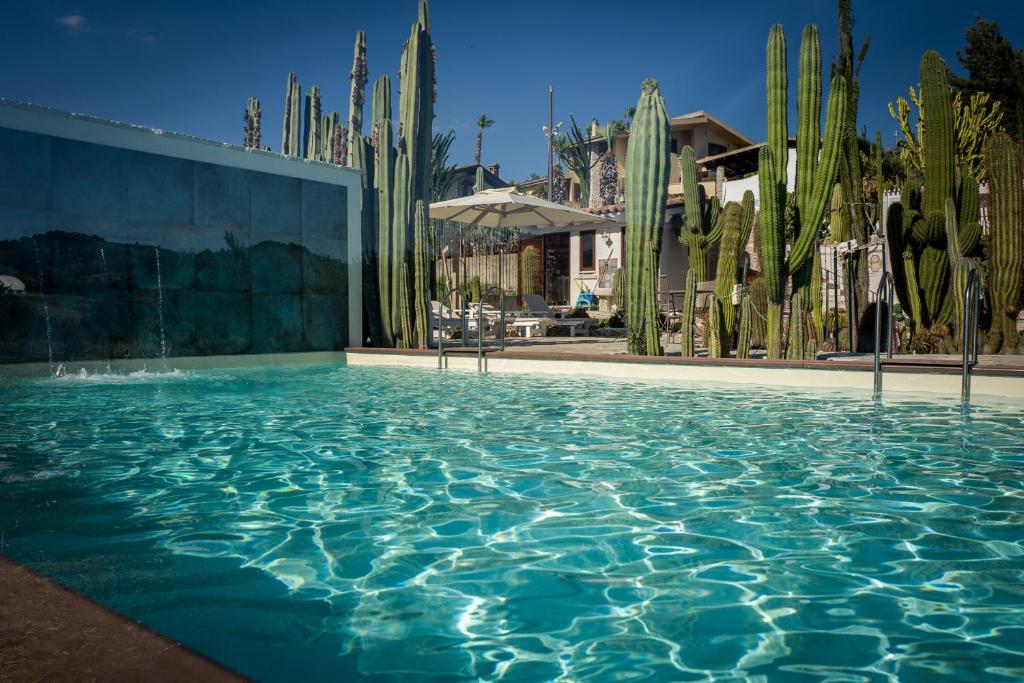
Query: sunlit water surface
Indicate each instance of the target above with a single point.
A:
(402, 525)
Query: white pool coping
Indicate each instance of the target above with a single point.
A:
(903, 381)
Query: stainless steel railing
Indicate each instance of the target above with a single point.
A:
(969, 332)
(440, 327)
(884, 294)
(480, 325)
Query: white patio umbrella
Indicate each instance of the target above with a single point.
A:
(504, 207)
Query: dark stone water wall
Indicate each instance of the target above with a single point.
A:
(108, 239)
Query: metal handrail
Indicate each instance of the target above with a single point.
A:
(480, 325)
(884, 293)
(972, 297)
(440, 327)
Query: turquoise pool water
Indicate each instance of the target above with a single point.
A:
(324, 523)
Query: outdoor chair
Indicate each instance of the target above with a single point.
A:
(443, 321)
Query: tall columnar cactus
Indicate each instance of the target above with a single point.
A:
(838, 217)
(960, 267)
(362, 160)
(357, 94)
(253, 114)
(619, 289)
(796, 343)
(933, 268)
(687, 318)
(529, 274)
(814, 306)
(713, 331)
(421, 275)
(401, 313)
(726, 277)
(330, 131)
(384, 182)
(1006, 242)
(381, 109)
(743, 339)
(647, 175)
(702, 227)
(757, 292)
(311, 142)
(478, 184)
(815, 174)
(291, 141)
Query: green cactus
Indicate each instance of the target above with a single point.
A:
(933, 262)
(1006, 242)
(815, 174)
(702, 227)
(357, 94)
(743, 339)
(529, 263)
(421, 275)
(815, 304)
(686, 322)
(757, 292)
(384, 181)
(401, 321)
(796, 342)
(838, 217)
(330, 129)
(713, 331)
(727, 275)
(381, 110)
(253, 114)
(619, 290)
(478, 185)
(362, 160)
(960, 267)
(647, 175)
(311, 145)
(290, 138)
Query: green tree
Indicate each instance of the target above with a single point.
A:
(996, 67)
(482, 123)
(442, 174)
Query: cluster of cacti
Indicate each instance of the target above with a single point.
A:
(934, 232)
(702, 227)
(647, 175)
(687, 319)
(737, 222)
(253, 114)
(1006, 242)
(529, 270)
(815, 176)
(290, 129)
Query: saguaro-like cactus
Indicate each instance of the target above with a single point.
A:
(1006, 244)
(401, 315)
(688, 312)
(529, 275)
(384, 180)
(291, 144)
(363, 161)
(253, 114)
(421, 275)
(357, 94)
(702, 225)
(815, 174)
(647, 174)
(737, 222)
(933, 267)
(311, 142)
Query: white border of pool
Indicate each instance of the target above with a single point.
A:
(797, 378)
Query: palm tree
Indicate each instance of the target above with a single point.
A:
(629, 114)
(481, 123)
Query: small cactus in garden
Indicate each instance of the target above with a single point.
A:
(702, 227)
(290, 137)
(687, 320)
(478, 185)
(253, 114)
(647, 176)
(529, 263)
(1006, 242)
(743, 339)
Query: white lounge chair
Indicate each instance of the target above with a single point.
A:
(539, 311)
(443, 320)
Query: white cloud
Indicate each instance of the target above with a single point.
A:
(75, 23)
(142, 37)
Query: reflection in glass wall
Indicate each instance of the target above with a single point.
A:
(110, 253)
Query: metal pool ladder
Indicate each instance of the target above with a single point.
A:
(479, 327)
(968, 331)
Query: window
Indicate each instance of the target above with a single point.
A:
(587, 250)
(675, 146)
(715, 148)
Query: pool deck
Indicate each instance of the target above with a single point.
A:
(994, 376)
(49, 633)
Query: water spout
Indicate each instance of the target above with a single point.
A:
(46, 307)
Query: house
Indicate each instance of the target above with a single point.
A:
(465, 179)
(585, 259)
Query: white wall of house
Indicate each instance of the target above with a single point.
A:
(734, 189)
(607, 245)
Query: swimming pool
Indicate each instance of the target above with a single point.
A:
(402, 524)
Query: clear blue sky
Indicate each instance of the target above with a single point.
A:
(188, 66)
